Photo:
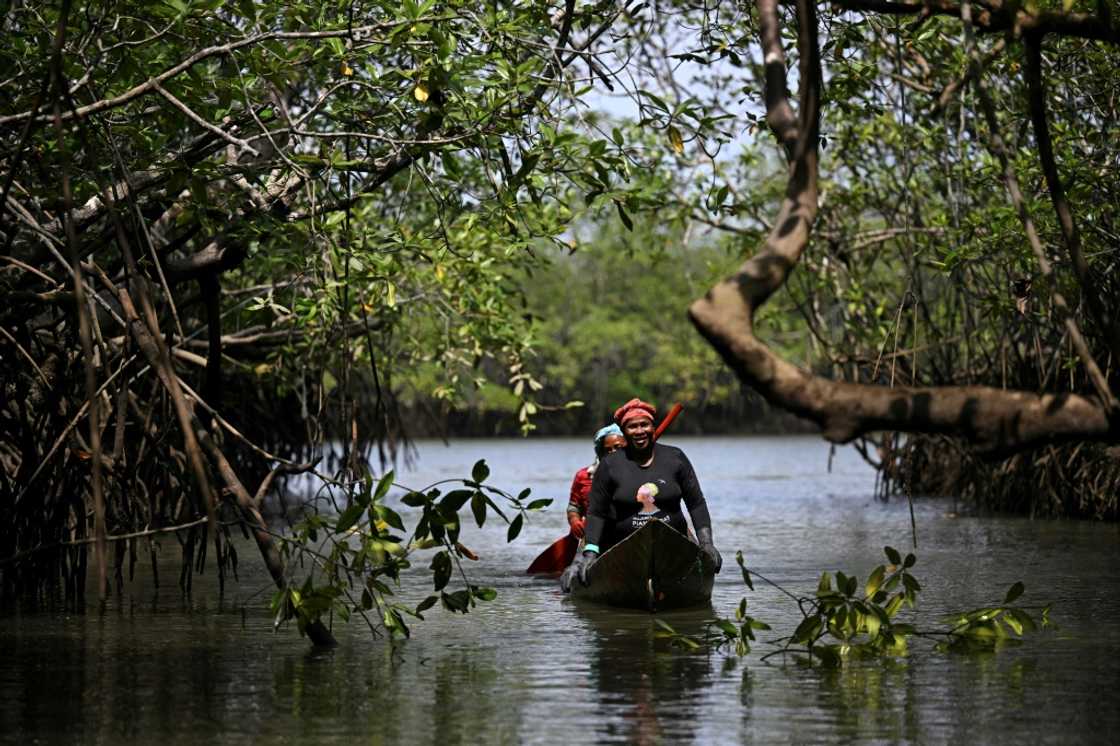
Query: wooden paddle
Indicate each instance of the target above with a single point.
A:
(562, 551)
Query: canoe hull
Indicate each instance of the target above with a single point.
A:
(655, 568)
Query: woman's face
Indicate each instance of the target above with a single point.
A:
(612, 443)
(639, 432)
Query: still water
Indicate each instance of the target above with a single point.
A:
(531, 667)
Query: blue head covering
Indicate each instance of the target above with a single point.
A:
(601, 435)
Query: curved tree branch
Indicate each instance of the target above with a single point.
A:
(998, 15)
(997, 421)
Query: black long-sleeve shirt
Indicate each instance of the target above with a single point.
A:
(625, 495)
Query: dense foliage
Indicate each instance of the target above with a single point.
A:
(231, 228)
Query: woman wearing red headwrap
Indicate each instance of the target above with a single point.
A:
(643, 482)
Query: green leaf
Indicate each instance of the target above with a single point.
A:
(414, 499)
(909, 561)
(484, 594)
(807, 630)
(441, 570)
(872, 622)
(391, 517)
(675, 140)
(454, 500)
(874, 581)
(1014, 592)
(850, 586)
(1023, 618)
(728, 628)
(514, 528)
(543, 502)
(349, 517)
(383, 485)
(825, 583)
(743, 568)
(478, 507)
(893, 555)
(626, 221)
(454, 602)
(480, 471)
(656, 100)
(426, 604)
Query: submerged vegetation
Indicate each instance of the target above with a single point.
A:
(847, 621)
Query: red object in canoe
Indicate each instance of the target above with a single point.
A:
(556, 557)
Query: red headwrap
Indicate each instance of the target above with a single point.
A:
(633, 409)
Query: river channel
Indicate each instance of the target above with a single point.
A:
(532, 667)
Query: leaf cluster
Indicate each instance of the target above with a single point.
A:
(844, 620)
(357, 554)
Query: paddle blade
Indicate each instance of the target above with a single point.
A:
(556, 557)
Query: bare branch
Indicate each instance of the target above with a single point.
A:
(998, 15)
(1070, 234)
(243, 145)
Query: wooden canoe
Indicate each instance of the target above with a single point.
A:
(654, 568)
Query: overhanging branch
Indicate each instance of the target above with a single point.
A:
(998, 421)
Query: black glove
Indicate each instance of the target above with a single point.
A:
(708, 553)
(578, 569)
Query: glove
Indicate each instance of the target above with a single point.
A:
(709, 555)
(578, 569)
(577, 524)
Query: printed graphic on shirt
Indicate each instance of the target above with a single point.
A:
(646, 493)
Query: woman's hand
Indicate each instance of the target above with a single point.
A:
(578, 569)
(577, 524)
(709, 555)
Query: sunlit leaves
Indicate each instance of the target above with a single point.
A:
(675, 140)
(839, 623)
(743, 568)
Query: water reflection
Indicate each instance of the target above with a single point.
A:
(646, 691)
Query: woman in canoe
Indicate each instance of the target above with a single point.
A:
(643, 482)
(607, 440)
